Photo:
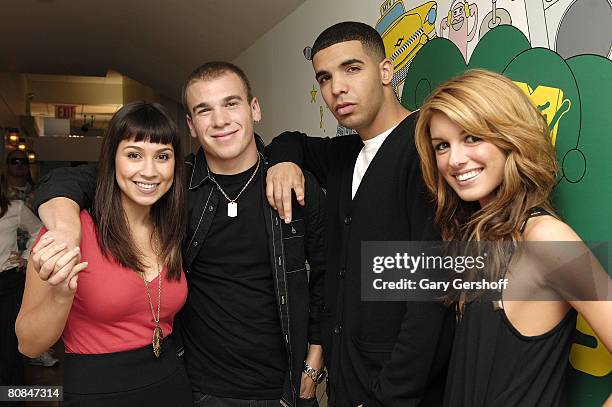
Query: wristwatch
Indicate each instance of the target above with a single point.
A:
(317, 376)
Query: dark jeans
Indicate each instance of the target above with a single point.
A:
(206, 400)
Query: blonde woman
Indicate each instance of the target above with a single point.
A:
(488, 162)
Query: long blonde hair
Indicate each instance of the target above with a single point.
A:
(490, 106)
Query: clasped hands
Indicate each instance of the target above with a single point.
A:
(56, 259)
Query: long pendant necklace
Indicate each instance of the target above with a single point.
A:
(158, 334)
(232, 205)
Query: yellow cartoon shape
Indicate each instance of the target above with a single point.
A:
(594, 361)
(313, 95)
(405, 32)
(550, 102)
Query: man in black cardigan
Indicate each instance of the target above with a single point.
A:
(376, 353)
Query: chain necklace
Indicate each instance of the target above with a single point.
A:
(158, 334)
(232, 205)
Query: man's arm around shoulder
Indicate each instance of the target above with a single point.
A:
(315, 251)
(59, 197)
(315, 255)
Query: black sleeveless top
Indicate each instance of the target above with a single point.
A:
(493, 365)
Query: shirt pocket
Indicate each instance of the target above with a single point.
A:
(293, 243)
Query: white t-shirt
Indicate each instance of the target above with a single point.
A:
(365, 157)
(17, 216)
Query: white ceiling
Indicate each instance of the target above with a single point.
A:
(156, 42)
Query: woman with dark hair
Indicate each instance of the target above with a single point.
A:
(487, 158)
(13, 215)
(115, 310)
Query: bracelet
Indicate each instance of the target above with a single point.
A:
(317, 376)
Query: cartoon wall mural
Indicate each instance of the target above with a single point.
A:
(550, 102)
(313, 94)
(567, 27)
(571, 27)
(574, 92)
(313, 99)
(574, 37)
(496, 17)
(461, 24)
(404, 33)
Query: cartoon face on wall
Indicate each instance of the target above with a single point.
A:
(460, 24)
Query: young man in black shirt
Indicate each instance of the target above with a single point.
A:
(250, 323)
(377, 353)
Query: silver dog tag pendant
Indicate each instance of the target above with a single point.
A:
(232, 209)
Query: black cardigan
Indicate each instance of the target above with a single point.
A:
(377, 353)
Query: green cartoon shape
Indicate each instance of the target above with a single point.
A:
(489, 55)
(426, 75)
(574, 96)
(586, 204)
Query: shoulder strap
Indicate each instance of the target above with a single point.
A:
(533, 212)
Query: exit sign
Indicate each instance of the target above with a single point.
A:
(65, 112)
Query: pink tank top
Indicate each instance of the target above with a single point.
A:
(111, 311)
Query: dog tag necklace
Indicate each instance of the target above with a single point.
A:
(158, 334)
(232, 205)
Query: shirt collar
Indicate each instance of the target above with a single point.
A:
(375, 142)
(201, 173)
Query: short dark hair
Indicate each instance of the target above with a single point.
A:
(369, 38)
(140, 121)
(213, 70)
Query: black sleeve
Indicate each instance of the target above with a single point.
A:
(76, 183)
(314, 154)
(315, 253)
